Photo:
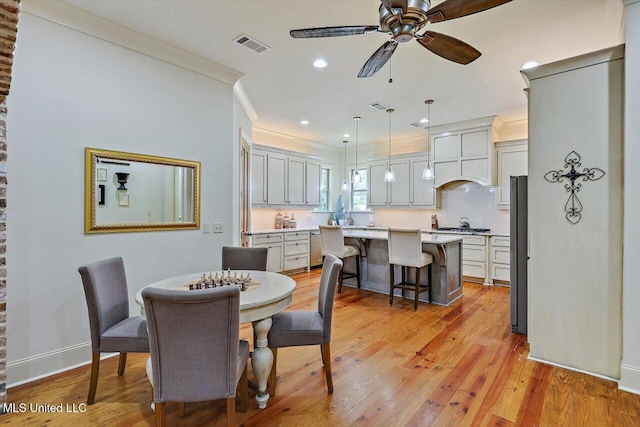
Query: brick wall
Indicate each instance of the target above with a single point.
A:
(9, 11)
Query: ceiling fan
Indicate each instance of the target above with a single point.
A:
(403, 19)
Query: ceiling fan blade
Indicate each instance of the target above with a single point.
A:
(449, 48)
(378, 59)
(400, 4)
(312, 33)
(452, 9)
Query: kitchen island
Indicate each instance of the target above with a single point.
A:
(446, 270)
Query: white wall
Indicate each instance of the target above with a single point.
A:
(630, 368)
(575, 271)
(71, 90)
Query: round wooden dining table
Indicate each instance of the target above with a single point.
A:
(268, 294)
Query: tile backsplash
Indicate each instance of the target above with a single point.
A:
(475, 201)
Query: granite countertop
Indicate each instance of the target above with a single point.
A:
(361, 227)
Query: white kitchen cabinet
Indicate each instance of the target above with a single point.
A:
(475, 261)
(312, 181)
(295, 181)
(395, 193)
(512, 159)
(276, 179)
(500, 249)
(273, 242)
(463, 155)
(258, 178)
(422, 192)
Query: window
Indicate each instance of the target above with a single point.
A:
(359, 192)
(324, 189)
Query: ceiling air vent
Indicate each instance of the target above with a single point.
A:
(378, 106)
(251, 43)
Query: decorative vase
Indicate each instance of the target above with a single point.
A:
(122, 180)
(339, 210)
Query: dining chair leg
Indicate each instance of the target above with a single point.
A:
(358, 270)
(122, 362)
(231, 411)
(340, 281)
(403, 281)
(326, 357)
(272, 375)
(391, 280)
(161, 415)
(181, 409)
(417, 291)
(429, 277)
(93, 382)
(244, 391)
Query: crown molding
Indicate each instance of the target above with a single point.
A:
(242, 97)
(102, 29)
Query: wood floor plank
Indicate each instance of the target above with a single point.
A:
(453, 366)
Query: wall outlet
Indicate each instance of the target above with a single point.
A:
(217, 227)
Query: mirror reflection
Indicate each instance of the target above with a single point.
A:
(137, 192)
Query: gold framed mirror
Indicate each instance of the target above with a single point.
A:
(127, 192)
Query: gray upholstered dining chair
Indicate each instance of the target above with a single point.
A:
(405, 250)
(332, 242)
(241, 258)
(196, 353)
(295, 327)
(112, 329)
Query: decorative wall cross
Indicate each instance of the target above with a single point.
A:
(573, 207)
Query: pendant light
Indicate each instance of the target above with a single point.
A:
(389, 175)
(427, 172)
(345, 183)
(357, 179)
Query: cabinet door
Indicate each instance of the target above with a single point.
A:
(422, 192)
(276, 179)
(274, 258)
(377, 187)
(512, 161)
(399, 189)
(258, 178)
(295, 181)
(313, 183)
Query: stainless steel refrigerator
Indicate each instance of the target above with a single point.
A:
(519, 254)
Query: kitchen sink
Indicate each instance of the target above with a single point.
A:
(464, 230)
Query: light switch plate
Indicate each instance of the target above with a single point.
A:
(206, 228)
(217, 227)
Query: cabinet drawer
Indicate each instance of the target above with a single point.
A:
(474, 240)
(501, 255)
(500, 241)
(296, 262)
(296, 235)
(474, 269)
(259, 239)
(500, 272)
(296, 248)
(474, 253)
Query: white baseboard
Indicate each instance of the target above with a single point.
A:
(54, 362)
(571, 368)
(629, 379)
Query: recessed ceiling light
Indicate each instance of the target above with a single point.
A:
(529, 64)
(320, 63)
(346, 135)
(304, 122)
(424, 121)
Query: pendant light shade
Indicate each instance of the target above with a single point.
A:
(427, 172)
(357, 179)
(345, 183)
(389, 175)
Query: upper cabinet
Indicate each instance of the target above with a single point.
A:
(465, 154)
(422, 193)
(512, 157)
(383, 193)
(279, 179)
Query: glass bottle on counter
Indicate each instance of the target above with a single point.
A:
(293, 222)
(278, 224)
(285, 220)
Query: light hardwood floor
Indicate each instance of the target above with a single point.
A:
(447, 366)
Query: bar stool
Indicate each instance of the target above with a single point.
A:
(405, 249)
(332, 242)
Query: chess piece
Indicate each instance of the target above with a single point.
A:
(190, 286)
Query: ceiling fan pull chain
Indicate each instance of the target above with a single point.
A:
(390, 79)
